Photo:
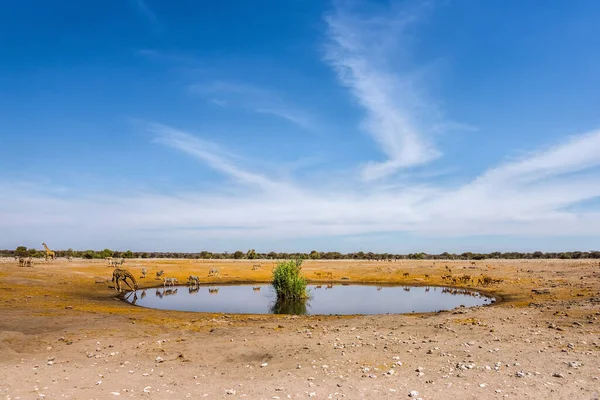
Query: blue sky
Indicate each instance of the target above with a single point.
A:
(396, 126)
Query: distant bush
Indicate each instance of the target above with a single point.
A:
(287, 281)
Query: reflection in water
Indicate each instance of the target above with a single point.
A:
(345, 299)
(298, 307)
(165, 292)
(128, 297)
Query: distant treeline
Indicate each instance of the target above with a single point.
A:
(23, 251)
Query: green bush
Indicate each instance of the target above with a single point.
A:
(287, 281)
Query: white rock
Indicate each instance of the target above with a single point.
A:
(159, 359)
(230, 391)
(413, 393)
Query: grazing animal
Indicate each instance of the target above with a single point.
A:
(160, 273)
(144, 272)
(49, 253)
(70, 258)
(108, 260)
(25, 262)
(256, 266)
(120, 274)
(214, 272)
(170, 281)
(114, 262)
(426, 276)
(406, 274)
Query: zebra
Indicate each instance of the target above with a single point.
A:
(170, 282)
(160, 273)
(193, 280)
(214, 271)
(25, 262)
(144, 272)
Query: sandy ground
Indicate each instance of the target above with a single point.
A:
(64, 334)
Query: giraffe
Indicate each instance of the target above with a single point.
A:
(49, 253)
(120, 274)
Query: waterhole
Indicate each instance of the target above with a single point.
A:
(324, 299)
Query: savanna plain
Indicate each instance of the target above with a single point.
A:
(66, 333)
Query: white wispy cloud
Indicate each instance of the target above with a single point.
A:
(369, 55)
(525, 196)
(256, 98)
(209, 153)
(146, 11)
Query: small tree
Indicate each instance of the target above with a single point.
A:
(251, 254)
(238, 255)
(21, 251)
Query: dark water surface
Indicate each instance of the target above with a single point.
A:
(325, 299)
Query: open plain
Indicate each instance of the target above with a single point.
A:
(64, 333)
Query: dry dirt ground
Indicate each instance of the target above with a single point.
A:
(64, 334)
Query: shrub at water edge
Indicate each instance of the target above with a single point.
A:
(287, 281)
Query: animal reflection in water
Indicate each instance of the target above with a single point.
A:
(464, 292)
(329, 286)
(135, 298)
(213, 290)
(165, 292)
(256, 288)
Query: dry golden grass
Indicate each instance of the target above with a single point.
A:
(47, 288)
